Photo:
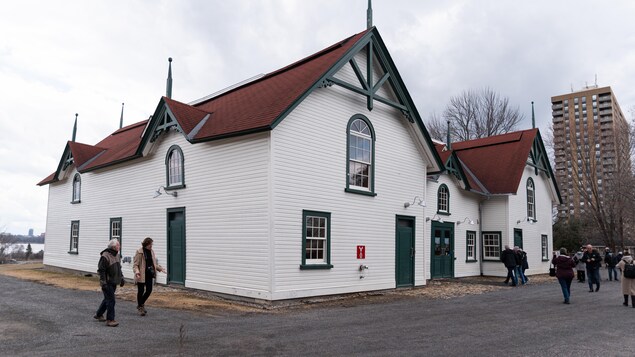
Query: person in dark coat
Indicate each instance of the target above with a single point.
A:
(110, 275)
(593, 262)
(610, 262)
(564, 272)
(524, 264)
(508, 257)
(520, 255)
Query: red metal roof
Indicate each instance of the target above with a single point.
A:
(256, 105)
(496, 162)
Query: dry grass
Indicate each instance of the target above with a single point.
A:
(162, 296)
(187, 299)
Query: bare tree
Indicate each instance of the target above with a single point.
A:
(605, 184)
(475, 114)
(6, 245)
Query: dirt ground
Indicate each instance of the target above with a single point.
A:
(200, 301)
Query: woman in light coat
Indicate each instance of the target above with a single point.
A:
(628, 285)
(145, 267)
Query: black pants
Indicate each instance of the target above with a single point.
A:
(108, 303)
(144, 289)
(581, 276)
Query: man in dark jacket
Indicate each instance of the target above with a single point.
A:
(610, 262)
(593, 262)
(508, 257)
(110, 275)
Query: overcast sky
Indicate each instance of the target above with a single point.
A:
(58, 58)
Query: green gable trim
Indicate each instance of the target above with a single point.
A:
(540, 154)
(538, 158)
(409, 110)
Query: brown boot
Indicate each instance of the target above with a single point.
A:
(99, 318)
(141, 311)
(112, 323)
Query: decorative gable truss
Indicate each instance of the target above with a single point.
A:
(377, 78)
(538, 157)
(165, 121)
(453, 166)
(173, 115)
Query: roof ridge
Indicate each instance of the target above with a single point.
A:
(487, 141)
(285, 68)
(129, 127)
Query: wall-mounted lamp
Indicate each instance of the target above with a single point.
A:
(438, 218)
(416, 200)
(469, 221)
(158, 192)
(530, 220)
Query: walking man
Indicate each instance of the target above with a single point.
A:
(508, 257)
(110, 275)
(593, 262)
(610, 262)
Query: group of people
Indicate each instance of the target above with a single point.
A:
(590, 260)
(515, 261)
(145, 266)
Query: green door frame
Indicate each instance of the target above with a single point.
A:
(171, 257)
(446, 258)
(518, 238)
(402, 258)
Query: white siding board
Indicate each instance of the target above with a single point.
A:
(225, 200)
(314, 179)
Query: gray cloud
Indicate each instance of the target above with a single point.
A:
(88, 57)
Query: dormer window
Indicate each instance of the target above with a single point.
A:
(174, 168)
(77, 189)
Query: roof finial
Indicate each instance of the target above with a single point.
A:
(448, 143)
(75, 128)
(533, 116)
(121, 119)
(369, 15)
(168, 89)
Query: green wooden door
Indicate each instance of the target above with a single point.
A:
(176, 246)
(518, 238)
(442, 262)
(405, 252)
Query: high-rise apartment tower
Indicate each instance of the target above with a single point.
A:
(591, 145)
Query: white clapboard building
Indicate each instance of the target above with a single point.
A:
(495, 191)
(311, 180)
(290, 185)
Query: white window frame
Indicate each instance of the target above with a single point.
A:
(175, 169)
(491, 245)
(443, 199)
(316, 240)
(363, 132)
(544, 243)
(77, 189)
(74, 243)
(531, 200)
(470, 245)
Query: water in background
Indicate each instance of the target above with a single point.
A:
(34, 246)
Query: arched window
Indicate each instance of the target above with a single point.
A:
(361, 147)
(174, 168)
(77, 189)
(443, 199)
(531, 199)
